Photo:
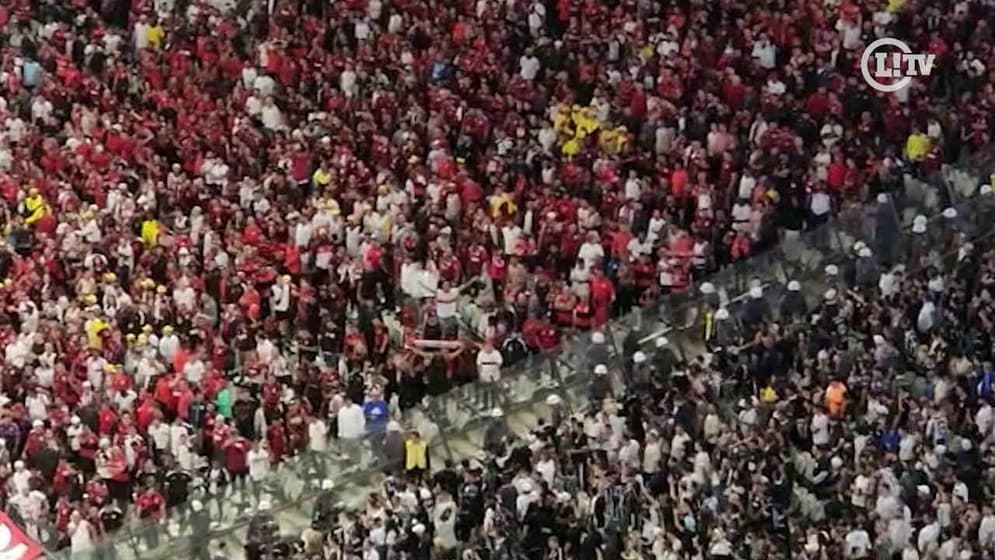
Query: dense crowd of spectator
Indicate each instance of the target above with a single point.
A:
(861, 426)
(230, 237)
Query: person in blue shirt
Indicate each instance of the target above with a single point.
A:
(31, 73)
(377, 413)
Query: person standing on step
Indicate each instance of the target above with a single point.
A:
(489, 362)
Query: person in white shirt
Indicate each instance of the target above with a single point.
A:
(447, 306)
(986, 529)
(529, 66)
(317, 435)
(489, 362)
(820, 429)
(139, 33)
(591, 252)
(271, 116)
(857, 544)
(352, 429)
(169, 344)
(511, 234)
(765, 53)
(280, 297)
(81, 535)
(258, 460)
(159, 434)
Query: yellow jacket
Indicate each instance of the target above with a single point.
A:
(35, 207)
(415, 454)
(150, 233)
(917, 146)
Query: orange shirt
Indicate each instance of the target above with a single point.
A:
(835, 397)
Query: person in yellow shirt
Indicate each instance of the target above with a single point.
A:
(415, 454)
(501, 202)
(570, 148)
(647, 52)
(561, 119)
(154, 36)
(584, 122)
(917, 145)
(150, 232)
(94, 327)
(35, 207)
(613, 140)
(321, 177)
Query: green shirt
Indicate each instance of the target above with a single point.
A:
(223, 402)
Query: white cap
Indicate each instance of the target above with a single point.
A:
(794, 286)
(497, 413)
(756, 292)
(830, 294)
(598, 337)
(104, 442)
(882, 198)
(707, 288)
(74, 420)
(639, 357)
(393, 426)
(722, 314)
(425, 494)
(264, 505)
(950, 213)
(918, 228)
(600, 369)
(553, 400)
(878, 340)
(18, 465)
(920, 219)
(196, 505)
(864, 252)
(986, 189)
(661, 342)
(219, 418)
(327, 484)
(38, 424)
(836, 462)
(832, 270)
(418, 529)
(965, 444)
(858, 246)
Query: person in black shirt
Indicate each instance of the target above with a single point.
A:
(471, 499)
(177, 487)
(111, 518)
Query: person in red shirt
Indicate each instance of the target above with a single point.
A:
(236, 459)
(602, 296)
(150, 505)
(147, 412)
(277, 439)
(113, 468)
(165, 396)
(107, 420)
